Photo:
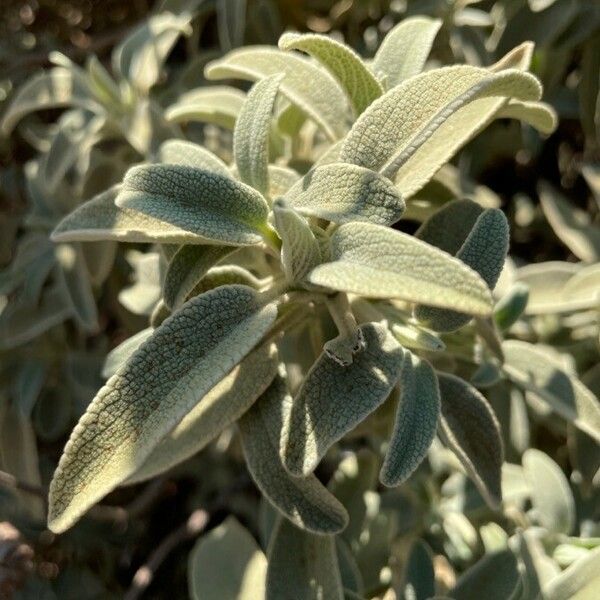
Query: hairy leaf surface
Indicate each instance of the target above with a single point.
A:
(180, 152)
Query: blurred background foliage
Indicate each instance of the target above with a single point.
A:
(63, 308)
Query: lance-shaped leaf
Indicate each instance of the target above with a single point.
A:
(484, 251)
(334, 399)
(379, 262)
(416, 420)
(219, 408)
(281, 179)
(341, 192)
(218, 105)
(121, 353)
(252, 131)
(186, 269)
(208, 205)
(342, 62)
(224, 275)
(551, 495)
(419, 577)
(161, 382)
(579, 581)
(300, 250)
(547, 379)
(306, 85)
(394, 126)
(302, 566)
(470, 429)
(303, 500)
(537, 114)
(405, 49)
(227, 564)
(179, 152)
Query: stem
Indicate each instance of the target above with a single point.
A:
(341, 313)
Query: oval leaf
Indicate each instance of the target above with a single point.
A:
(179, 152)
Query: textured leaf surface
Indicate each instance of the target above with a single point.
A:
(405, 48)
(303, 500)
(186, 269)
(537, 114)
(551, 495)
(161, 382)
(251, 134)
(471, 430)
(180, 152)
(341, 192)
(227, 564)
(218, 409)
(300, 250)
(307, 86)
(342, 62)
(334, 399)
(302, 566)
(379, 262)
(416, 420)
(532, 369)
(484, 251)
(121, 353)
(210, 206)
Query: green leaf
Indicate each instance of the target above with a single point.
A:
(341, 192)
(484, 251)
(227, 564)
(300, 250)
(252, 131)
(302, 566)
(218, 105)
(306, 85)
(511, 306)
(394, 127)
(303, 500)
(579, 582)
(537, 114)
(497, 574)
(405, 48)
(160, 383)
(379, 262)
(186, 269)
(342, 62)
(212, 207)
(121, 353)
(470, 429)
(419, 577)
(281, 179)
(219, 408)
(416, 420)
(551, 495)
(533, 370)
(572, 225)
(179, 152)
(231, 22)
(224, 275)
(102, 84)
(334, 399)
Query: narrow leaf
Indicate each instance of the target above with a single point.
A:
(341, 192)
(416, 420)
(303, 500)
(419, 577)
(179, 152)
(579, 581)
(379, 262)
(537, 114)
(470, 429)
(334, 399)
(160, 383)
(342, 62)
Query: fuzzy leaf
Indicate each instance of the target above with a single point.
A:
(537, 114)
(383, 138)
(218, 409)
(252, 131)
(341, 192)
(484, 251)
(160, 383)
(121, 353)
(379, 262)
(302, 566)
(281, 179)
(580, 581)
(179, 152)
(303, 500)
(470, 429)
(342, 62)
(186, 269)
(551, 495)
(227, 564)
(334, 399)
(300, 250)
(529, 367)
(218, 105)
(210, 206)
(416, 420)
(306, 85)
(405, 48)
(224, 275)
